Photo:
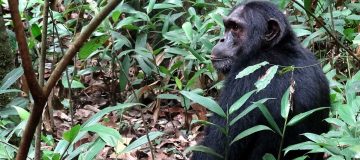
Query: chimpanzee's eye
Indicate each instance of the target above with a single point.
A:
(235, 27)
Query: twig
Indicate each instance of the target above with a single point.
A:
(142, 114)
(35, 89)
(328, 31)
(30, 76)
(84, 35)
(55, 30)
(41, 75)
(40, 95)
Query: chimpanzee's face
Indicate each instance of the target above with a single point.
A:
(246, 31)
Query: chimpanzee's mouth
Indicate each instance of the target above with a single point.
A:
(213, 58)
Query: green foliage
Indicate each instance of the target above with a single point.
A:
(142, 140)
(342, 141)
(70, 135)
(302, 116)
(250, 69)
(170, 42)
(206, 102)
(266, 79)
(285, 103)
(106, 136)
(234, 107)
(213, 106)
(250, 131)
(268, 156)
(204, 149)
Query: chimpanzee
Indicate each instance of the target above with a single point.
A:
(257, 31)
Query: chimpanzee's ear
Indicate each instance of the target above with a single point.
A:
(274, 31)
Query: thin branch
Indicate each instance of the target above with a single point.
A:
(35, 89)
(141, 111)
(41, 75)
(85, 34)
(38, 93)
(30, 76)
(328, 31)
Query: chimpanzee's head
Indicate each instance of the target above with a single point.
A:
(249, 29)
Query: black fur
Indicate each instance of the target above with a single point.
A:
(311, 88)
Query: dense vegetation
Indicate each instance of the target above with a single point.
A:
(138, 87)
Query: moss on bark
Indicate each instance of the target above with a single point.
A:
(6, 58)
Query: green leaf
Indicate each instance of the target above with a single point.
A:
(126, 22)
(247, 110)
(301, 146)
(205, 101)
(66, 102)
(35, 30)
(120, 106)
(178, 83)
(347, 115)
(61, 146)
(222, 129)
(250, 69)
(301, 32)
(177, 51)
(357, 39)
(285, 103)
(335, 121)
(165, 6)
(115, 15)
(93, 150)
(9, 91)
(11, 78)
(74, 83)
(240, 102)
(167, 96)
(120, 40)
(353, 17)
(23, 114)
(194, 78)
(301, 158)
(96, 117)
(200, 148)
(123, 80)
(164, 70)
(91, 46)
(109, 135)
(188, 30)
(307, 40)
(302, 116)
(83, 147)
(196, 54)
(72, 133)
(269, 118)
(268, 156)
(142, 140)
(140, 44)
(284, 3)
(177, 36)
(314, 137)
(286, 70)
(217, 18)
(266, 79)
(307, 5)
(145, 64)
(150, 7)
(249, 132)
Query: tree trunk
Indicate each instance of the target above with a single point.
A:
(6, 56)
